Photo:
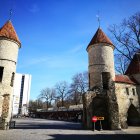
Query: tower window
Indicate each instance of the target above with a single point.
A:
(12, 79)
(89, 79)
(127, 91)
(1, 73)
(21, 94)
(133, 90)
(105, 80)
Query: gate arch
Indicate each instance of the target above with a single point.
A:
(133, 116)
(100, 109)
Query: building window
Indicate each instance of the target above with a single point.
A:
(12, 79)
(133, 90)
(127, 91)
(21, 95)
(1, 73)
(89, 80)
(105, 80)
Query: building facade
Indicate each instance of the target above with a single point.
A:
(21, 94)
(114, 97)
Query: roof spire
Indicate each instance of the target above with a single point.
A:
(10, 14)
(11, 9)
(98, 19)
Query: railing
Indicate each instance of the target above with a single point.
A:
(71, 115)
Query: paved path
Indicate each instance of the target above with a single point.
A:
(41, 129)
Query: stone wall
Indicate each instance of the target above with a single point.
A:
(113, 107)
(8, 59)
(8, 50)
(101, 103)
(138, 92)
(87, 109)
(1, 103)
(5, 106)
(124, 100)
(137, 77)
(101, 59)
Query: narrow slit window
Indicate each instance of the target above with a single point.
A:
(133, 90)
(89, 79)
(127, 91)
(1, 73)
(12, 79)
(105, 80)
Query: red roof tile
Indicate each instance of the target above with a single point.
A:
(125, 79)
(134, 66)
(8, 31)
(100, 37)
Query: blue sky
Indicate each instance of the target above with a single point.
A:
(55, 33)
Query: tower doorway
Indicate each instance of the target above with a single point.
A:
(100, 109)
(133, 118)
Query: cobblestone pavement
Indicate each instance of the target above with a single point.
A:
(41, 129)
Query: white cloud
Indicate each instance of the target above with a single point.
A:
(55, 61)
(76, 49)
(32, 61)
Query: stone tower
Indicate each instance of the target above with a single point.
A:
(9, 46)
(101, 59)
(100, 99)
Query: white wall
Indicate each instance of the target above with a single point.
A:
(16, 95)
(26, 93)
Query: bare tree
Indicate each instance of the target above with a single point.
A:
(127, 41)
(34, 105)
(48, 95)
(62, 91)
(80, 82)
(74, 98)
(121, 63)
(78, 86)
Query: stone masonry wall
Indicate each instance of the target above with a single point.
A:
(8, 50)
(101, 59)
(101, 103)
(87, 108)
(113, 107)
(1, 103)
(124, 101)
(137, 77)
(8, 59)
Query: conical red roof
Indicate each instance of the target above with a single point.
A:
(134, 66)
(8, 31)
(100, 37)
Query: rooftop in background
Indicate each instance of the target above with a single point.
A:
(125, 79)
(8, 31)
(100, 37)
(134, 66)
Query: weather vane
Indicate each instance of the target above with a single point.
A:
(98, 19)
(10, 14)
